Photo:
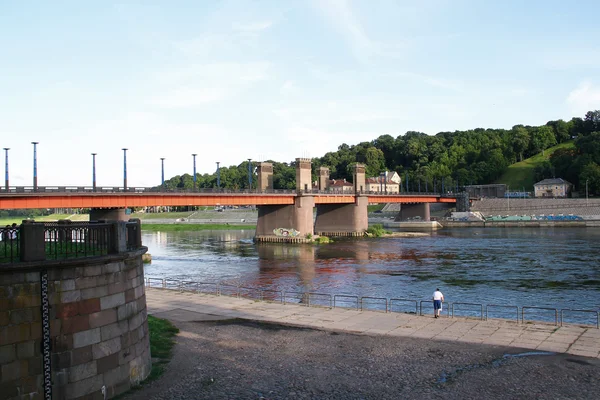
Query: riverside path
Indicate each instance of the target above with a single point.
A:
(186, 306)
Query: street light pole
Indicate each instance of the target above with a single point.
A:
(6, 149)
(194, 155)
(34, 165)
(586, 193)
(162, 172)
(249, 174)
(124, 169)
(218, 176)
(94, 171)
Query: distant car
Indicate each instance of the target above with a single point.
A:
(378, 212)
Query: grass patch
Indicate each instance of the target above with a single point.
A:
(193, 227)
(377, 230)
(520, 175)
(375, 207)
(161, 344)
(164, 215)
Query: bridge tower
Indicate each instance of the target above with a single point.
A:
(358, 177)
(265, 176)
(323, 178)
(303, 175)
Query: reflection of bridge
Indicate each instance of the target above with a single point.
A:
(338, 213)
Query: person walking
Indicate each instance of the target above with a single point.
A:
(438, 299)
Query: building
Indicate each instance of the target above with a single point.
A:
(379, 184)
(493, 190)
(555, 187)
(340, 185)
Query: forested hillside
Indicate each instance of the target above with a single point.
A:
(478, 156)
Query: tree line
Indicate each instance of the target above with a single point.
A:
(447, 159)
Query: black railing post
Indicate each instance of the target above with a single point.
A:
(33, 245)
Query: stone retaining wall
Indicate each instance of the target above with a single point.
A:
(98, 327)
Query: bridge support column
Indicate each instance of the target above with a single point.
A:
(303, 175)
(343, 219)
(108, 214)
(358, 178)
(323, 178)
(286, 223)
(410, 211)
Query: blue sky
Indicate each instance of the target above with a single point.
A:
(231, 80)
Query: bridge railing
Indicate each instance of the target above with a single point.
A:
(19, 190)
(41, 241)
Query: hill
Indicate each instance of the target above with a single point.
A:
(520, 176)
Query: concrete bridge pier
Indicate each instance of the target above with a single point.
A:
(286, 223)
(343, 219)
(108, 214)
(410, 211)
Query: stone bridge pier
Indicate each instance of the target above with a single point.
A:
(410, 211)
(296, 222)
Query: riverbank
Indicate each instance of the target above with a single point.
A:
(229, 348)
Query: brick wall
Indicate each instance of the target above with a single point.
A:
(98, 324)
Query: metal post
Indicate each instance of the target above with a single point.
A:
(6, 149)
(249, 174)
(407, 182)
(381, 182)
(419, 185)
(218, 176)
(385, 182)
(35, 165)
(124, 169)
(162, 172)
(586, 190)
(94, 171)
(194, 155)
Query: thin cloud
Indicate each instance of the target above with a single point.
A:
(584, 98)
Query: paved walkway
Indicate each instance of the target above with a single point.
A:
(186, 306)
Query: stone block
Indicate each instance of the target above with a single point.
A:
(112, 301)
(89, 306)
(70, 296)
(136, 321)
(61, 360)
(126, 355)
(103, 318)
(9, 390)
(139, 291)
(78, 323)
(85, 338)
(69, 273)
(36, 330)
(35, 366)
(14, 370)
(132, 273)
(128, 310)
(15, 334)
(116, 277)
(62, 343)
(116, 287)
(116, 375)
(81, 355)
(60, 378)
(55, 326)
(92, 270)
(25, 301)
(82, 371)
(94, 292)
(83, 387)
(67, 285)
(106, 348)
(102, 280)
(7, 353)
(22, 315)
(67, 310)
(32, 276)
(121, 387)
(108, 363)
(4, 318)
(86, 282)
(111, 268)
(129, 295)
(26, 349)
(114, 330)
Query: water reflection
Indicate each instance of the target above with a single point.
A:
(547, 267)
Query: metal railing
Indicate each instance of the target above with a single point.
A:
(359, 302)
(10, 244)
(73, 240)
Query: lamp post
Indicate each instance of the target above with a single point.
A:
(249, 174)
(124, 169)
(6, 149)
(586, 192)
(218, 176)
(34, 165)
(381, 182)
(194, 155)
(94, 171)
(162, 172)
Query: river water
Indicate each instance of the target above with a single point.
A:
(555, 267)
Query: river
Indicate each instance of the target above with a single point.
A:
(553, 267)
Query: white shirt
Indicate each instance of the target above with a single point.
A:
(437, 295)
